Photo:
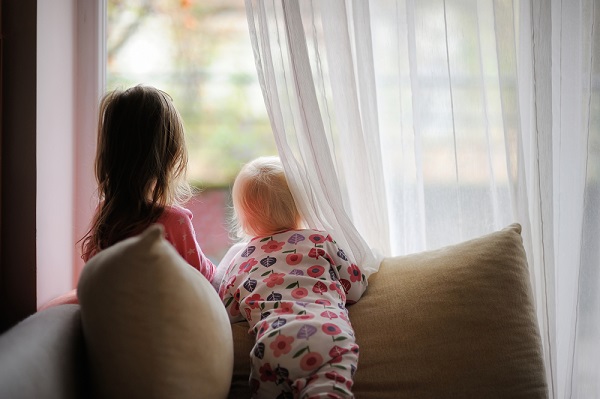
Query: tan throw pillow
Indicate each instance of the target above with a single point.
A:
(154, 327)
(458, 322)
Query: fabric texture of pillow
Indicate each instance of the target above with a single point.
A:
(154, 327)
(458, 322)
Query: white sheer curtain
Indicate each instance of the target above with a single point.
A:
(559, 83)
(409, 125)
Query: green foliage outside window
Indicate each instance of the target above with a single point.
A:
(199, 52)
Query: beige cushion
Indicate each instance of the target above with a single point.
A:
(457, 322)
(154, 327)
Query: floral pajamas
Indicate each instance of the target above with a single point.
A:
(292, 288)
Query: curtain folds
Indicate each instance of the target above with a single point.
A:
(540, 178)
(410, 125)
(300, 118)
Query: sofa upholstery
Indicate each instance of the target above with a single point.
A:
(153, 326)
(44, 356)
(457, 322)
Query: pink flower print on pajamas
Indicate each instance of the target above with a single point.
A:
(293, 288)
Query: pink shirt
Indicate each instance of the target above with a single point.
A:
(179, 231)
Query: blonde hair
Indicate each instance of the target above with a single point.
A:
(262, 201)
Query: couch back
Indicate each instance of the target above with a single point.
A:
(44, 357)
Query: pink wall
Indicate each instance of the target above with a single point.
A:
(55, 132)
(68, 87)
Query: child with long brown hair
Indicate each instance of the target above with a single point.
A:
(140, 168)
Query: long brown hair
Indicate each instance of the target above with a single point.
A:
(140, 167)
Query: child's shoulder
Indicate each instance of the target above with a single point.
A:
(174, 212)
(314, 231)
(304, 233)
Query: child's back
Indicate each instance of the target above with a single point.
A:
(292, 286)
(140, 167)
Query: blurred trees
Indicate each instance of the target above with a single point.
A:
(199, 52)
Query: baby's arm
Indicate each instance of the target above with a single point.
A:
(351, 277)
(227, 294)
(225, 262)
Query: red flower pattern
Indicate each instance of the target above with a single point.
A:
(317, 238)
(234, 310)
(282, 345)
(253, 301)
(247, 265)
(301, 285)
(299, 293)
(315, 253)
(354, 272)
(331, 329)
(293, 259)
(311, 361)
(274, 279)
(315, 271)
(266, 373)
(285, 308)
(273, 246)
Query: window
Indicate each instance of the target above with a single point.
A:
(199, 52)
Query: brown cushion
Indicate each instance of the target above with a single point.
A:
(154, 327)
(457, 322)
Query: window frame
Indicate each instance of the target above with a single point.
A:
(70, 81)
